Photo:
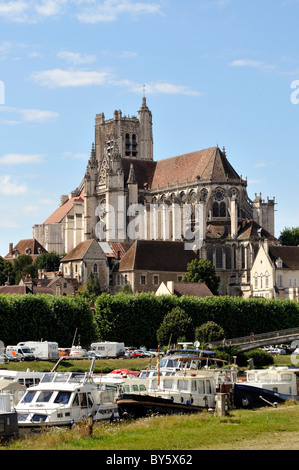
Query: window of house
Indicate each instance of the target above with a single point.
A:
(290, 282)
(255, 280)
(126, 279)
(180, 278)
(279, 280)
(95, 268)
(155, 279)
(228, 257)
(142, 280)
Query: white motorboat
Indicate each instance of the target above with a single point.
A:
(180, 392)
(65, 398)
(264, 387)
(27, 378)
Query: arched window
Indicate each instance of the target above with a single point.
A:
(95, 268)
(218, 257)
(228, 257)
(210, 254)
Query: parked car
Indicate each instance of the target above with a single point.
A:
(137, 353)
(276, 351)
(95, 354)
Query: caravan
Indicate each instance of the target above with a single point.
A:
(109, 349)
(42, 350)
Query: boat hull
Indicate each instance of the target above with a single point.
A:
(139, 406)
(248, 396)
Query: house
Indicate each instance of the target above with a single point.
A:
(195, 289)
(25, 247)
(86, 257)
(148, 263)
(275, 272)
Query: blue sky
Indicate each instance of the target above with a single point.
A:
(217, 72)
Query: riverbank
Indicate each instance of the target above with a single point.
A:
(263, 429)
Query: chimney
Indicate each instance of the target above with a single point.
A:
(11, 249)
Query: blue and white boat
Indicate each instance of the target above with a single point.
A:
(266, 387)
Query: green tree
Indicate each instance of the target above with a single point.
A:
(175, 324)
(47, 261)
(92, 288)
(23, 265)
(289, 237)
(202, 271)
(6, 272)
(209, 331)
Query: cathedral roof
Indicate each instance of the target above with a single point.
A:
(150, 255)
(207, 165)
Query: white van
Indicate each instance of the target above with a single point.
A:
(19, 353)
(42, 350)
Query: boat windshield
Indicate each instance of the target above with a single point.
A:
(58, 377)
(28, 397)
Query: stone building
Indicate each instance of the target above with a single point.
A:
(196, 198)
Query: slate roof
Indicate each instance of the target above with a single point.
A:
(149, 255)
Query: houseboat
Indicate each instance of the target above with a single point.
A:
(180, 392)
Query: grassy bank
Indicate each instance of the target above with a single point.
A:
(264, 429)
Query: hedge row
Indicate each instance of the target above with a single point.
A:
(134, 319)
(45, 317)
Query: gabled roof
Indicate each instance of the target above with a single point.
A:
(60, 213)
(251, 229)
(79, 252)
(196, 289)
(149, 255)
(288, 254)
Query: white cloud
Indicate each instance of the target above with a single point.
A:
(110, 10)
(246, 63)
(86, 11)
(69, 78)
(14, 10)
(163, 88)
(28, 115)
(19, 158)
(76, 58)
(11, 188)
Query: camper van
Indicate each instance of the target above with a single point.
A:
(19, 353)
(109, 349)
(42, 350)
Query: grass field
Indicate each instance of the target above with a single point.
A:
(264, 429)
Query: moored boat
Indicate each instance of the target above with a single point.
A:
(180, 392)
(266, 387)
(65, 398)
